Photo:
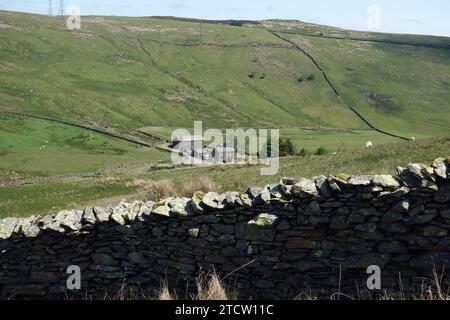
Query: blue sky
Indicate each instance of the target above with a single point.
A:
(400, 16)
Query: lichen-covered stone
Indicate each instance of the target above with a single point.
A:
(360, 180)
(213, 200)
(254, 192)
(101, 214)
(416, 170)
(29, 227)
(145, 210)
(70, 219)
(197, 204)
(232, 199)
(342, 178)
(440, 168)
(161, 209)
(245, 198)
(89, 216)
(181, 207)
(277, 194)
(264, 220)
(133, 210)
(386, 181)
(118, 215)
(7, 227)
(305, 188)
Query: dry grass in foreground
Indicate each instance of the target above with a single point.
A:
(157, 190)
(211, 287)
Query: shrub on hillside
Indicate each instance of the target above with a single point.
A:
(321, 151)
(303, 153)
(286, 147)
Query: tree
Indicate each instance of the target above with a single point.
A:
(321, 151)
(286, 147)
(291, 147)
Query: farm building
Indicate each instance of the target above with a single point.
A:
(187, 144)
(224, 154)
(201, 154)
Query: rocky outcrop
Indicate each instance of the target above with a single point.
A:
(320, 234)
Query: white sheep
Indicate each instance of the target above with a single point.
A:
(369, 144)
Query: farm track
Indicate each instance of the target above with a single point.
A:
(335, 90)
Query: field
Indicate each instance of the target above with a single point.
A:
(30, 147)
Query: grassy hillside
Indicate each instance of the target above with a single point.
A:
(135, 72)
(401, 88)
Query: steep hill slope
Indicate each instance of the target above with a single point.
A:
(136, 72)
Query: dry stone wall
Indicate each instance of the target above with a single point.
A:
(316, 234)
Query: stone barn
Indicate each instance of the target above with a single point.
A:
(187, 144)
(224, 154)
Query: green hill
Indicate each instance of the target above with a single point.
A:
(136, 72)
